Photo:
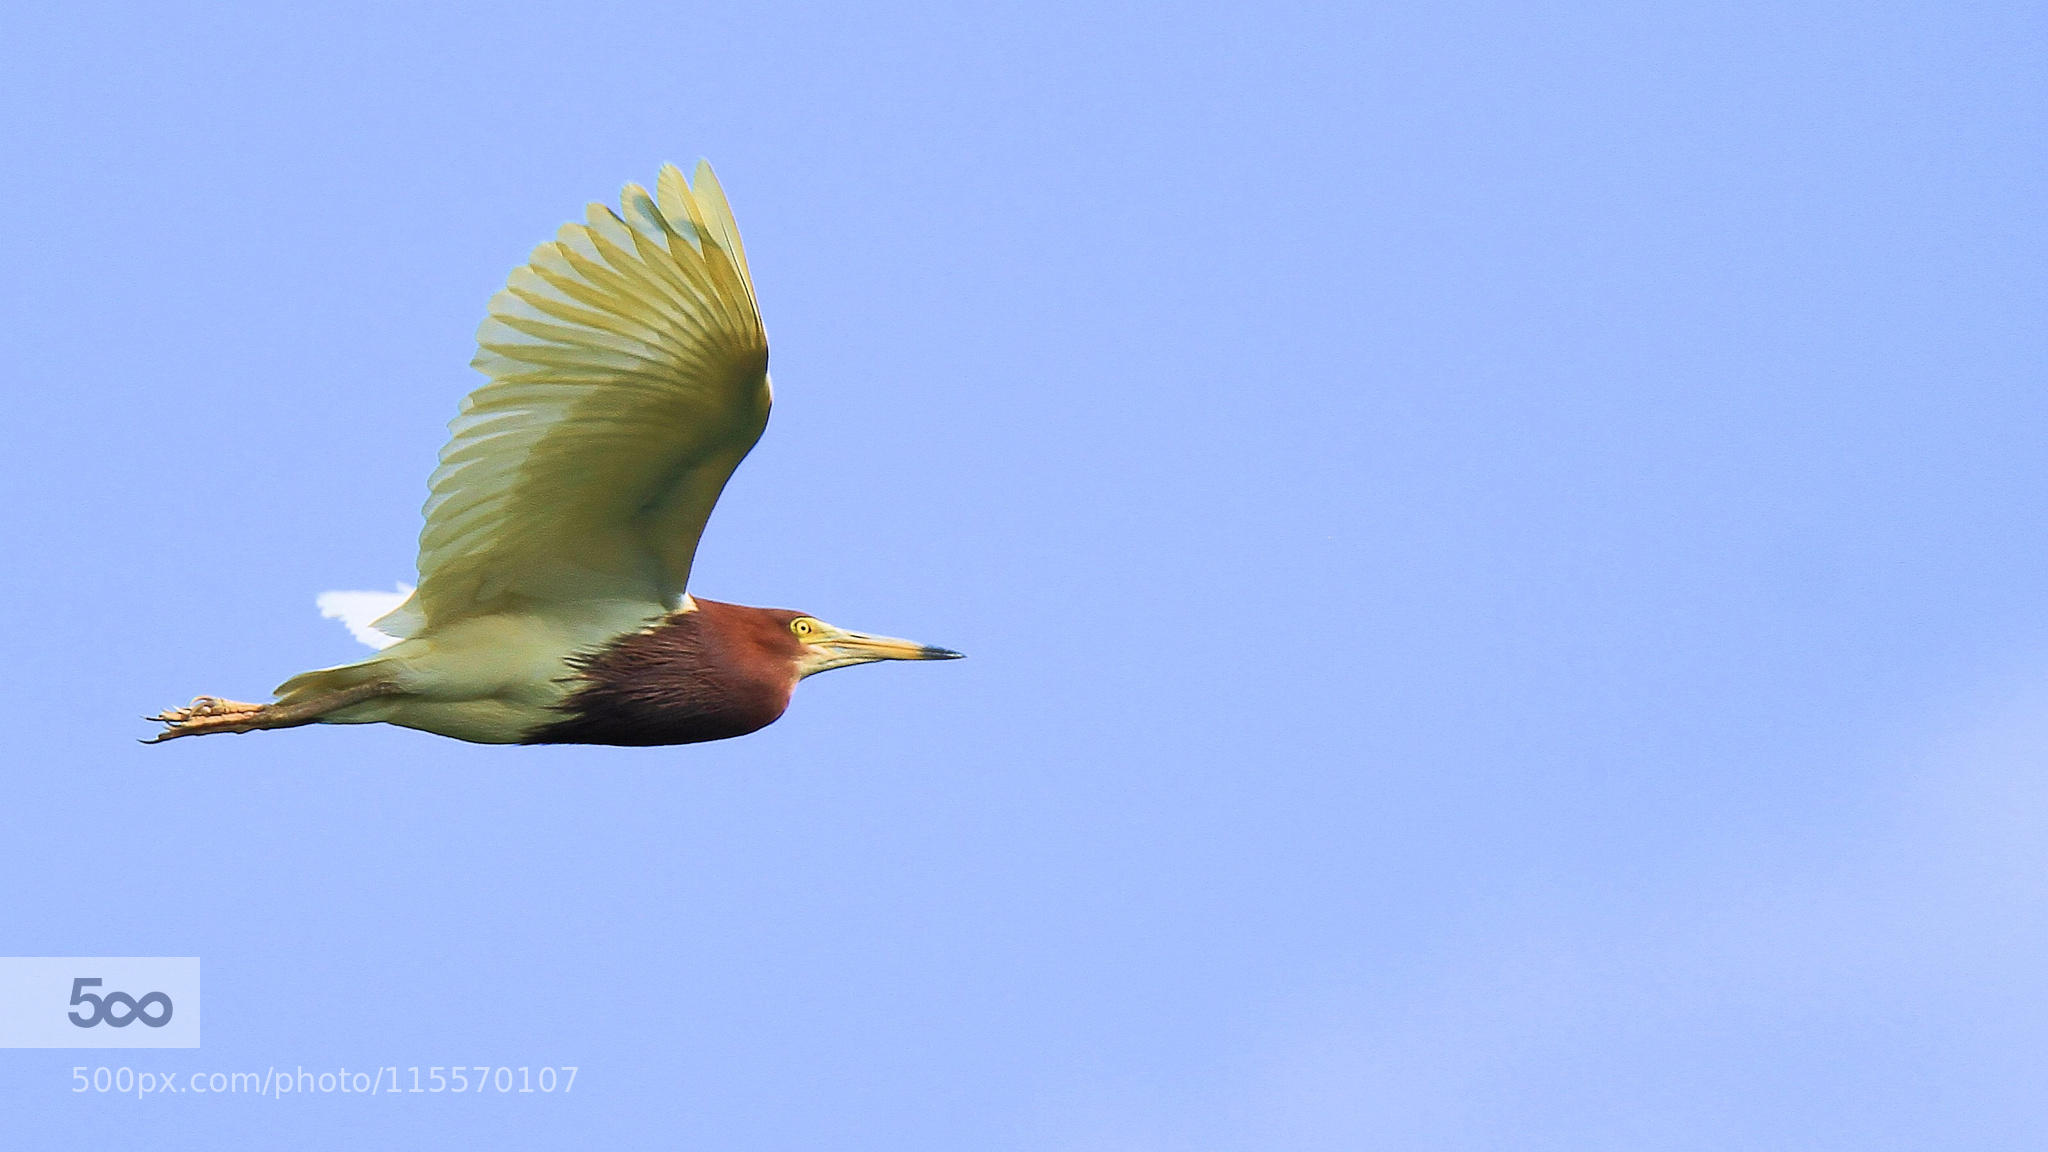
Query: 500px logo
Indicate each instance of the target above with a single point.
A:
(103, 1006)
(94, 1001)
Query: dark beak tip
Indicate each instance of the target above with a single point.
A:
(930, 653)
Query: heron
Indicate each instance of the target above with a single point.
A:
(627, 377)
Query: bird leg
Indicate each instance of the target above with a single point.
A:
(207, 715)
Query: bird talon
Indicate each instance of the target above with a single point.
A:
(205, 714)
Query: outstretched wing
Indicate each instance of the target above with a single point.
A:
(628, 378)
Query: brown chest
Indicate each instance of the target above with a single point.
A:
(709, 674)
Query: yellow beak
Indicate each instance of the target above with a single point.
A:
(839, 648)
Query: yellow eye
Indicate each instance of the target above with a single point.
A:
(803, 626)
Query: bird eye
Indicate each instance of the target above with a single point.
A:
(801, 626)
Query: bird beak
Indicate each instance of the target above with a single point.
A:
(839, 648)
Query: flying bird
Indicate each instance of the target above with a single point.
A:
(628, 377)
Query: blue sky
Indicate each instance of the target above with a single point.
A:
(1500, 549)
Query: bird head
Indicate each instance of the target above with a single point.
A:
(821, 647)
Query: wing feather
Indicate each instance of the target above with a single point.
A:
(628, 376)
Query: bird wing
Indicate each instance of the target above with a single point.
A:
(628, 378)
(359, 611)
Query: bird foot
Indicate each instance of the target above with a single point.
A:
(205, 715)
